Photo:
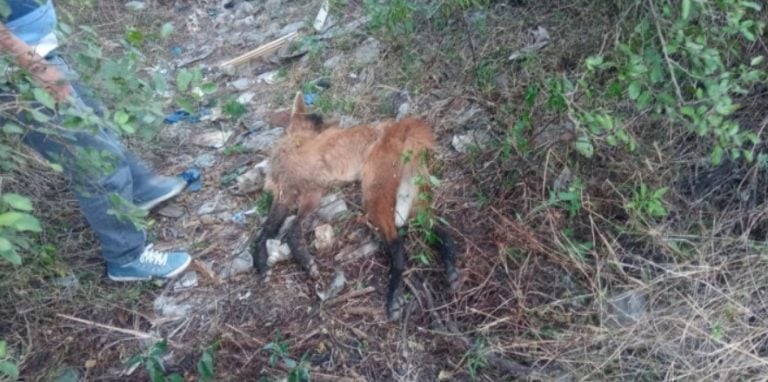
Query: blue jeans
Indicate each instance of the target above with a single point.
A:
(124, 175)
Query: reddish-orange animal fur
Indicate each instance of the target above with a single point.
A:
(313, 156)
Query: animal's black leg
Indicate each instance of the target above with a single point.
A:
(277, 215)
(395, 299)
(446, 247)
(295, 239)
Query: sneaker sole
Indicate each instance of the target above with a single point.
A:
(153, 203)
(168, 276)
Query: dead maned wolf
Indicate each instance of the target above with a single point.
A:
(314, 156)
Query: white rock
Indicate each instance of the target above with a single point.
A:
(241, 83)
(356, 252)
(463, 142)
(186, 281)
(331, 206)
(368, 52)
(246, 97)
(277, 252)
(241, 263)
(324, 236)
(136, 6)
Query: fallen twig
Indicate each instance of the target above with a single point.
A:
(135, 333)
(263, 50)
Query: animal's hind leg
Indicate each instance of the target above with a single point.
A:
(277, 215)
(379, 193)
(446, 247)
(308, 202)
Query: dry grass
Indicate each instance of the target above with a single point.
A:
(537, 303)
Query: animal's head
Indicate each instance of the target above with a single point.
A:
(303, 123)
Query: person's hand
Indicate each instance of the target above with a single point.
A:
(50, 78)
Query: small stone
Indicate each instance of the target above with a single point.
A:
(292, 27)
(136, 6)
(356, 252)
(277, 252)
(214, 139)
(250, 181)
(331, 206)
(241, 83)
(173, 211)
(464, 142)
(269, 77)
(337, 285)
(368, 52)
(263, 141)
(171, 307)
(186, 281)
(90, 364)
(241, 263)
(333, 62)
(204, 160)
(324, 236)
(246, 98)
(402, 111)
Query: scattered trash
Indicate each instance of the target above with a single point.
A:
(204, 160)
(69, 285)
(402, 111)
(262, 142)
(277, 252)
(269, 77)
(136, 6)
(192, 177)
(181, 115)
(464, 142)
(241, 217)
(323, 83)
(214, 139)
(246, 97)
(337, 285)
(322, 16)
(539, 38)
(210, 207)
(174, 211)
(177, 51)
(331, 206)
(368, 52)
(350, 253)
(186, 281)
(241, 83)
(309, 98)
(324, 236)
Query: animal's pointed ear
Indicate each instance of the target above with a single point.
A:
(298, 105)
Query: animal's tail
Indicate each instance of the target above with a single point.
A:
(389, 175)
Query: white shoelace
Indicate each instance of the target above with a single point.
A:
(153, 257)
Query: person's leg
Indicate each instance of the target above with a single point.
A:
(149, 189)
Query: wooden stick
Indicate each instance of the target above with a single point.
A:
(134, 333)
(263, 50)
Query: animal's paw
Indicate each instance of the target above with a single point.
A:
(395, 307)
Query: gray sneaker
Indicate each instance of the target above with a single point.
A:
(157, 190)
(151, 264)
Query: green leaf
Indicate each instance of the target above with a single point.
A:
(39, 117)
(134, 37)
(11, 256)
(12, 128)
(5, 9)
(17, 202)
(20, 221)
(44, 98)
(166, 30)
(175, 377)
(717, 155)
(183, 79)
(209, 88)
(3, 344)
(584, 147)
(9, 369)
(121, 117)
(756, 60)
(634, 90)
(686, 9)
